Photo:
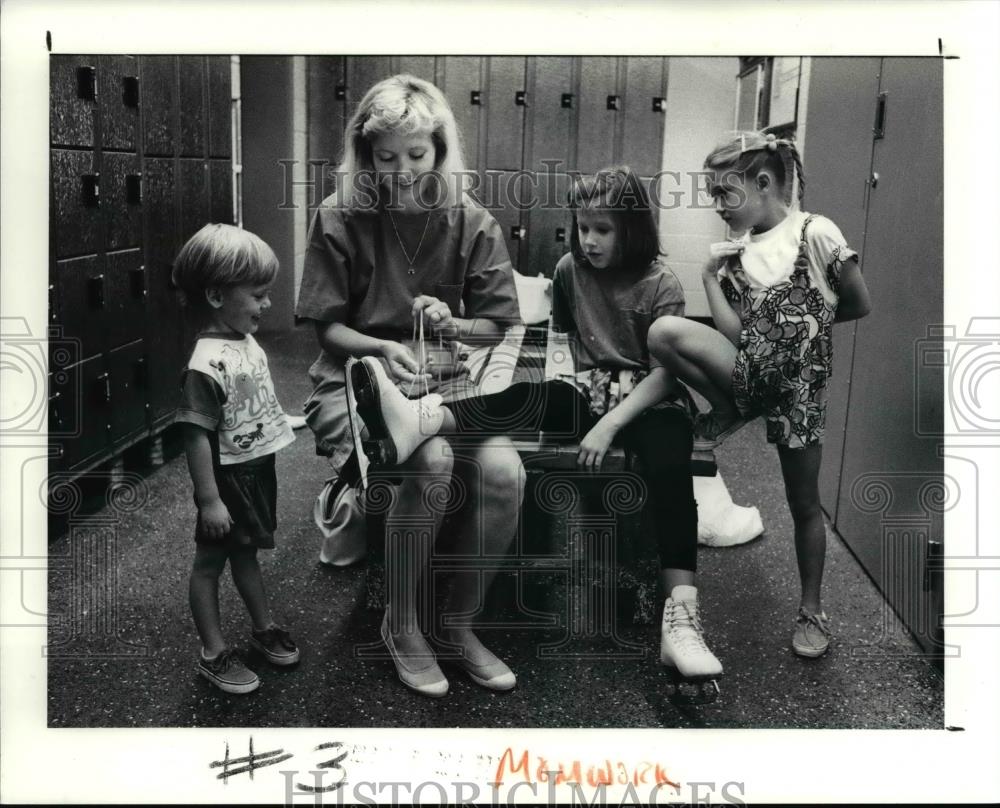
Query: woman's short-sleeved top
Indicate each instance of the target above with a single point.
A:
(356, 272)
(611, 311)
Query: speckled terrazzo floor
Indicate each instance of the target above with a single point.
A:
(872, 678)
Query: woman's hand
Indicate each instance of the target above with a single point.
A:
(437, 315)
(595, 445)
(214, 519)
(403, 365)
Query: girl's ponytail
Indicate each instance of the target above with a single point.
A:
(749, 152)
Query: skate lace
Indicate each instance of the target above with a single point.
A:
(685, 628)
(820, 621)
(421, 344)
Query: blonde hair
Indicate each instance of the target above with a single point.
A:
(402, 105)
(221, 255)
(750, 152)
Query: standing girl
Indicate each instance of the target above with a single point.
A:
(606, 294)
(400, 239)
(233, 425)
(774, 295)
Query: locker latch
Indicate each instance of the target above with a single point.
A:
(138, 275)
(566, 102)
(561, 234)
(879, 127)
(130, 91)
(340, 92)
(106, 378)
(53, 316)
(659, 104)
(614, 102)
(54, 410)
(517, 232)
(97, 290)
(521, 98)
(141, 372)
(90, 186)
(86, 83)
(133, 188)
(476, 98)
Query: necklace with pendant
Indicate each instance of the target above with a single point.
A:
(410, 261)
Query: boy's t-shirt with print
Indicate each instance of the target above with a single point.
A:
(227, 389)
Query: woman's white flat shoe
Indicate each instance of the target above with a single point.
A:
(427, 681)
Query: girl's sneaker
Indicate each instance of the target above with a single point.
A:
(812, 634)
(710, 429)
(276, 645)
(694, 668)
(228, 673)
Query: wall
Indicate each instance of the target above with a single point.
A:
(701, 96)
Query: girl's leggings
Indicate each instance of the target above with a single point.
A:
(660, 438)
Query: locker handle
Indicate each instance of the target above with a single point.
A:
(86, 83)
(614, 102)
(138, 275)
(340, 92)
(874, 179)
(879, 128)
(659, 103)
(566, 102)
(106, 378)
(52, 304)
(518, 232)
(521, 98)
(133, 188)
(54, 409)
(130, 91)
(141, 373)
(561, 235)
(97, 290)
(476, 98)
(90, 186)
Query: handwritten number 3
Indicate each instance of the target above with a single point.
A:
(332, 763)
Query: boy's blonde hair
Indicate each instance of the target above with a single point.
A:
(221, 255)
(402, 105)
(749, 152)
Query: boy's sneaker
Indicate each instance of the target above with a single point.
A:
(276, 644)
(228, 673)
(812, 634)
(710, 429)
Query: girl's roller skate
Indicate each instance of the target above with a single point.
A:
(394, 426)
(694, 670)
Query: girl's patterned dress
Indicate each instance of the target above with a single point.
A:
(785, 352)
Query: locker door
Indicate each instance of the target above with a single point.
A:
(903, 268)
(74, 88)
(842, 95)
(194, 197)
(158, 79)
(221, 202)
(126, 367)
(122, 200)
(160, 212)
(81, 291)
(92, 409)
(119, 100)
(76, 190)
(63, 425)
(548, 227)
(220, 102)
(461, 80)
(645, 94)
(326, 93)
(506, 188)
(505, 102)
(125, 284)
(191, 70)
(362, 73)
(550, 113)
(420, 66)
(598, 119)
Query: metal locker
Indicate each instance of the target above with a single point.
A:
(362, 73)
(125, 304)
(423, 67)
(76, 197)
(600, 105)
(158, 79)
(841, 94)
(74, 88)
(220, 105)
(121, 192)
(645, 93)
(91, 408)
(119, 98)
(548, 225)
(129, 382)
(504, 189)
(463, 86)
(194, 197)
(551, 114)
(160, 212)
(505, 102)
(221, 194)
(326, 92)
(193, 117)
(81, 292)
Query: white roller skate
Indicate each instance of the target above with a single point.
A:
(694, 670)
(395, 425)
